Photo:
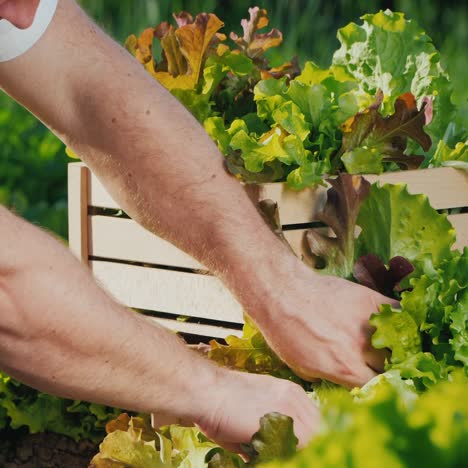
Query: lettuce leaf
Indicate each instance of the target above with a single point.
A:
(275, 440)
(428, 336)
(371, 272)
(250, 353)
(394, 222)
(391, 428)
(451, 157)
(340, 213)
(21, 406)
(393, 54)
(369, 139)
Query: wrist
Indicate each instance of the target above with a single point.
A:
(194, 389)
(263, 285)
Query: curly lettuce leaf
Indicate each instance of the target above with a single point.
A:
(391, 427)
(21, 406)
(428, 337)
(185, 50)
(394, 222)
(275, 440)
(397, 331)
(250, 353)
(369, 139)
(395, 55)
(340, 213)
(459, 329)
(253, 43)
(133, 443)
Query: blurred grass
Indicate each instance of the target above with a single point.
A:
(32, 161)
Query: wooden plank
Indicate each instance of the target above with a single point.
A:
(124, 239)
(446, 187)
(460, 223)
(203, 330)
(78, 178)
(174, 292)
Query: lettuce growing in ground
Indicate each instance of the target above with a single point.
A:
(386, 429)
(22, 406)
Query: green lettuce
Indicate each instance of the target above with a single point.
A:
(393, 54)
(391, 429)
(394, 222)
(451, 157)
(21, 406)
(250, 353)
(369, 139)
(428, 336)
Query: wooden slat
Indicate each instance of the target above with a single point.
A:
(124, 239)
(174, 292)
(446, 188)
(78, 178)
(460, 223)
(200, 329)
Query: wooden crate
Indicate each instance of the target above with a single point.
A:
(145, 272)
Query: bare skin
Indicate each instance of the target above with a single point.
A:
(164, 170)
(60, 333)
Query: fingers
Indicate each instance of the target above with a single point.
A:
(358, 378)
(355, 376)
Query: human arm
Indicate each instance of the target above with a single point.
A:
(163, 169)
(60, 333)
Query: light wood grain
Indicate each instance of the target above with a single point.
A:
(446, 188)
(174, 292)
(460, 223)
(124, 239)
(78, 177)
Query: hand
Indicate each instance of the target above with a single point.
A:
(319, 325)
(230, 408)
(244, 398)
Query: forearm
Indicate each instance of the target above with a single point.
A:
(60, 333)
(154, 158)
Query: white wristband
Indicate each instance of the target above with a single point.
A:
(15, 42)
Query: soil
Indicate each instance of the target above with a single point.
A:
(48, 450)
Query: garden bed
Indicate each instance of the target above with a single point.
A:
(47, 450)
